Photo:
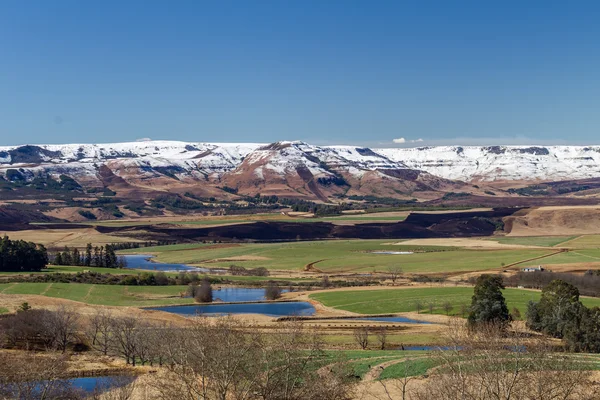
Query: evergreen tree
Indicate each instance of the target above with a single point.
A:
(558, 310)
(66, 257)
(97, 260)
(88, 255)
(19, 255)
(75, 257)
(488, 304)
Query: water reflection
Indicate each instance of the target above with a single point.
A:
(278, 309)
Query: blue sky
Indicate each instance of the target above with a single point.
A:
(326, 72)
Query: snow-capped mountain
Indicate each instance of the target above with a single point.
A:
(205, 158)
(470, 163)
(296, 168)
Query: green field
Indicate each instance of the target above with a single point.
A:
(573, 256)
(341, 256)
(584, 242)
(574, 242)
(404, 300)
(542, 241)
(362, 361)
(111, 295)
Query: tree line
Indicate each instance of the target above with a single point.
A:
(93, 256)
(588, 283)
(19, 255)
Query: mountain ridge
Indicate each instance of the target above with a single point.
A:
(464, 163)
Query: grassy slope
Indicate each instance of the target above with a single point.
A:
(574, 256)
(542, 241)
(112, 295)
(584, 242)
(344, 256)
(404, 300)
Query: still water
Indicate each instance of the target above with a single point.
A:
(282, 309)
(393, 319)
(143, 261)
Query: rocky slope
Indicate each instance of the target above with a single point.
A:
(296, 169)
(550, 163)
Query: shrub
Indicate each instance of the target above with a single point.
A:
(204, 292)
(272, 291)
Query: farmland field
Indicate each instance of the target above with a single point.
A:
(213, 221)
(111, 295)
(404, 300)
(342, 256)
(584, 242)
(542, 241)
(571, 257)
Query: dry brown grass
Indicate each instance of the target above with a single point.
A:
(75, 237)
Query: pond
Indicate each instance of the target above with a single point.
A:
(424, 348)
(392, 252)
(101, 383)
(235, 294)
(394, 319)
(144, 261)
(277, 309)
(58, 388)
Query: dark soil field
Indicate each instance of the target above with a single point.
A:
(417, 225)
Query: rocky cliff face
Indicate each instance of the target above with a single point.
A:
(297, 169)
(551, 163)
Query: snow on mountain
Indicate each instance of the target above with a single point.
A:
(182, 158)
(212, 160)
(501, 162)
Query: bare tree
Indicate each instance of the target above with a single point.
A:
(418, 306)
(431, 306)
(381, 335)
(61, 327)
(124, 331)
(100, 330)
(488, 364)
(394, 272)
(225, 359)
(361, 336)
(448, 307)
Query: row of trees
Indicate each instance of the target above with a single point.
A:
(588, 283)
(19, 255)
(103, 256)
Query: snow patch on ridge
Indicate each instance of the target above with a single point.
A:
(466, 163)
